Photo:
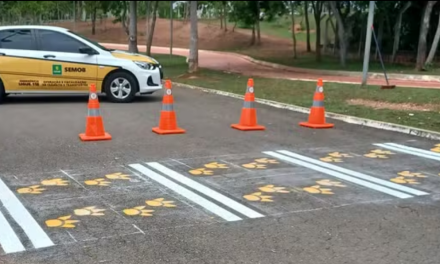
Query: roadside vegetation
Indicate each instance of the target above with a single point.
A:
(406, 106)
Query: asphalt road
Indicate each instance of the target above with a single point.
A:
(287, 194)
(236, 63)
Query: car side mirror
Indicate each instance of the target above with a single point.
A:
(87, 50)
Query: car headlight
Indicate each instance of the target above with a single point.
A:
(145, 65)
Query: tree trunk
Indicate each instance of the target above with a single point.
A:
(193, 60)
(221, 18)
(132, 44)
(380, 35)
(94, 11)
(434, 45)
(421, 50)
(361, 40)
(147, 23)
(325, 44)
(235, 24)
(306, 13)
(253, 35)
(258, 24)
(341, 35)
(151, 30)
(317, 10)
(225, 15)
(293, 30)
(397, 29)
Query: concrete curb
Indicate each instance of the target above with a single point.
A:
(345, 118)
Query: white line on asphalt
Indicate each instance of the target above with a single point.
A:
(24, 219)
(8, 239)
(210, 206)
(244, 210)
(355, 174)
(409, 150)
(340, 175)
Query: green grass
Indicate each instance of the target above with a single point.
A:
(301, 94)
(308, 61)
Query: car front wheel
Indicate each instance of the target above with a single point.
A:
(120, 87)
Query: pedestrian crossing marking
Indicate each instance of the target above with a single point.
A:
(55, 182)
(138, 210)
(62, 221)
(159, 202)
(91, 210)
(258, 197)
(273, 189)
(97, 182)
(117, 176)
(35, 189)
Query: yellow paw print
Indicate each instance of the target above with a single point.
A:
(411, 174)
(201, 171)
(317, 189)
(159, 202)
(98, 182)
(255, 197)
(403, 180)
(139, 210)
(254, 165)
(35, 189)
(62, 221)
(55, 182)
(436, 149)
(273, 189)
(331, 159)
(382, 152)
(266, 160)
(91, 210)
(216, 165)
(339, 155)
(376, 156)
(117, 176)
(330, 183)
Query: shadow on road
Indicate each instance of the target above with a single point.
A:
(60, 99)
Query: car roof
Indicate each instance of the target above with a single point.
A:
(60, 29)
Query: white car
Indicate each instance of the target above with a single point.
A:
(45, 59)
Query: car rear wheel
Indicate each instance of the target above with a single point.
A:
(120, 87)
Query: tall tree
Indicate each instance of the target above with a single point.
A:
(306, 14)
(292, 15)
(344, 26)
(92, 8)
(132, 44)
(434, 45)
(151, 29)
(193, 60)
(397, 30)
(424, 27)
(225, 14)
(317, 11)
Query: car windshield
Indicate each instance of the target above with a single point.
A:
(89, 40)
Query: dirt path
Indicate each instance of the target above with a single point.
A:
(235, 63)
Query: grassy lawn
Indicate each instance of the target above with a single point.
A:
(308, 61)
(336, 95)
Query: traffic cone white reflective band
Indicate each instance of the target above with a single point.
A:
(318, 103)
(167, 107)
(247, 104)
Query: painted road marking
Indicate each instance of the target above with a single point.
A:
(24, 219)
(409, 150)
(210, 206)
(356, 174)
(244, 210)
(340, 175)
(8, 239)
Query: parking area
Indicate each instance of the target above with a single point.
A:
(348, 194)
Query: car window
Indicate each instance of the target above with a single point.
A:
(58, 42)
(21, 39)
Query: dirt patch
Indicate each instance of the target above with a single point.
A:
(394, 106)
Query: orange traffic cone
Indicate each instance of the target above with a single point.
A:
(168, 122)
(94, 124)
(317, 112)
(248, 119)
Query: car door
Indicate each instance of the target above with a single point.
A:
(63, 67)
(19, 64)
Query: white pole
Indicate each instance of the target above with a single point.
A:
(368, 43)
